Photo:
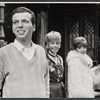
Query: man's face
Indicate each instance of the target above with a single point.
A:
(54, 46)
(82, 50)
(22, 26)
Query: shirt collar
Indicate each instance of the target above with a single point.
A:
(19, 46)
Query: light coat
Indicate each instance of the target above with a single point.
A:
(80, 75)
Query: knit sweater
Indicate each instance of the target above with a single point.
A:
(23, 78)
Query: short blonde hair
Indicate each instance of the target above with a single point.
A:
(53, 35)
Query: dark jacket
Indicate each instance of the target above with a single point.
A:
(56, 76)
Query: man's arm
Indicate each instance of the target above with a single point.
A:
(1, 77)
(46, 76)
(47, 82)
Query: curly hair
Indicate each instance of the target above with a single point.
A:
(53, 35)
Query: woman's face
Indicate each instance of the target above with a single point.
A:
(82, 50)
(54, 46)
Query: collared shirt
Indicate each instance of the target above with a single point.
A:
(28, 53)
(55, 59)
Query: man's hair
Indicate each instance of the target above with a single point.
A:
(23, 10)
(53, 35)
(79, 42)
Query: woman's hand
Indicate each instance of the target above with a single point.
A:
(96, 69)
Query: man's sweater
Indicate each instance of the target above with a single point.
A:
(23, 78)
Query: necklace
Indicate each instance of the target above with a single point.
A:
(52, 55)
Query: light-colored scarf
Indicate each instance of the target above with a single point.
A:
(85, 59)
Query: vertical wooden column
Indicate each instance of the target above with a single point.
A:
(41, 27)
(2, 35)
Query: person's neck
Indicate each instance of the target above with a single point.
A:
(52, 54)
(25, 43)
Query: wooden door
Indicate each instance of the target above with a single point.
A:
(86, 26)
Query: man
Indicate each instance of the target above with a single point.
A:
(23, 64)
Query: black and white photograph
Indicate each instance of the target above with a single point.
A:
(49, 50)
